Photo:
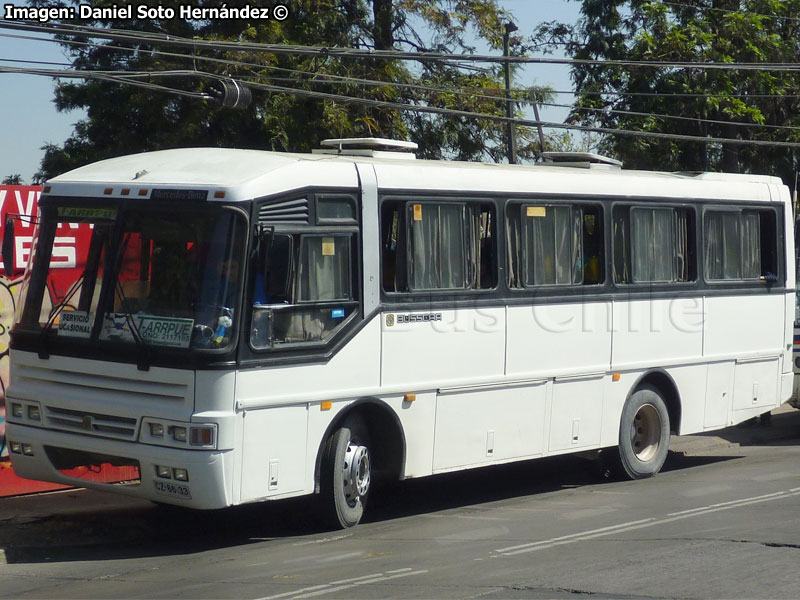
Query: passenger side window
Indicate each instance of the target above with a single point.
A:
(430, 246)
(740, 245)
(653, 245)
(555, 244)
(304, 288)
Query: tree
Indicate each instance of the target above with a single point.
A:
(123, 119)
(15, 179)
(711, 103)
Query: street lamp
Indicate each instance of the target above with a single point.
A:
(510, 134)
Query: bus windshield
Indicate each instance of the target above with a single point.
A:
(135, 276)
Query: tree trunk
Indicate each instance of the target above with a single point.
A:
(382, 30)
(730, 152)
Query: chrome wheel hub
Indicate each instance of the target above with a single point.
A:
(646, 432)
(356, 473)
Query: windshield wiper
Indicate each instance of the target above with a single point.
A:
(44, 351)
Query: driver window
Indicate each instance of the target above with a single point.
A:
(303, 290)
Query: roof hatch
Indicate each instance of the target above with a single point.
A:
(375, 147)
(581, 160)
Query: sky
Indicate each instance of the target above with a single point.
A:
(30, 120)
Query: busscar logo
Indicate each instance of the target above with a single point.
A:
(419, 318)
(389, 320)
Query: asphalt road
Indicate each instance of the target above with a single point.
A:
(721, 521)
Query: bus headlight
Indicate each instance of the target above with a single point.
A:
(16, 410)
(178, 433)
(34, 412)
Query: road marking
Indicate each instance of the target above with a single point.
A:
(625, 527)
(710, 506)
(607, 530)
(344, 584)
(373, 580)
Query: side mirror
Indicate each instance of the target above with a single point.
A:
(8, 246)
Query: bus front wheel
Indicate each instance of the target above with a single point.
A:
(643, 434)
(346, 474)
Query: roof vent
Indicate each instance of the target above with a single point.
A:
(581, 160)
(375, 147)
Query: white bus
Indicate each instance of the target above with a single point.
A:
(250, 326)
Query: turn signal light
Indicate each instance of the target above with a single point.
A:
(201, 436)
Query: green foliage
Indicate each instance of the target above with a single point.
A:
(716, 31)
(123, 119)
(15, 179)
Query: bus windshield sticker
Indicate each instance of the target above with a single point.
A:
(337, 313)
(77, 212)
(418, 212)
(154, 330)
(536, 211)
(328, 247)
(75, 323)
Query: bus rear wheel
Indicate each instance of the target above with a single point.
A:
(643, 434)
(346, 474)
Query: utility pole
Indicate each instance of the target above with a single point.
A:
(510, 134)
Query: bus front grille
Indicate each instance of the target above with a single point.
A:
(92, 423)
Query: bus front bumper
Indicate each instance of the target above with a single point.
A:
(54, 456)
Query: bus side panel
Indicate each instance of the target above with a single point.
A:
(549, 339)
(274, 458)
(283, 414)
(750, 327)
(656, 333)
(484, 426)
(438, 348)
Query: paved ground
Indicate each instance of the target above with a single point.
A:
(721, 520)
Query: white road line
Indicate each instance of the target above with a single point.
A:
(344, 584)
(293, 592)
(566, 537)
(352, 585)
(352, 579)
(701, 508)
(624, 527)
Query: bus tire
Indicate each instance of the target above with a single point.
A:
(643, 434)
(346, 474)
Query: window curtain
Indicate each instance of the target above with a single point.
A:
(324, 269)
(549, 249)
(751, 245)
(723, 254)
(621, 232)
(682, 245)
(438, 247)
(653, 245)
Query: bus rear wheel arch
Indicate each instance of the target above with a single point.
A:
(644, 431)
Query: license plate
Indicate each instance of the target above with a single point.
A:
(172, 489)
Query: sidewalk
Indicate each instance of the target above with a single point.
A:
(783, 425)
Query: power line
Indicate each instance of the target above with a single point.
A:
(149, 38)
(520, 122)
(498, 94)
